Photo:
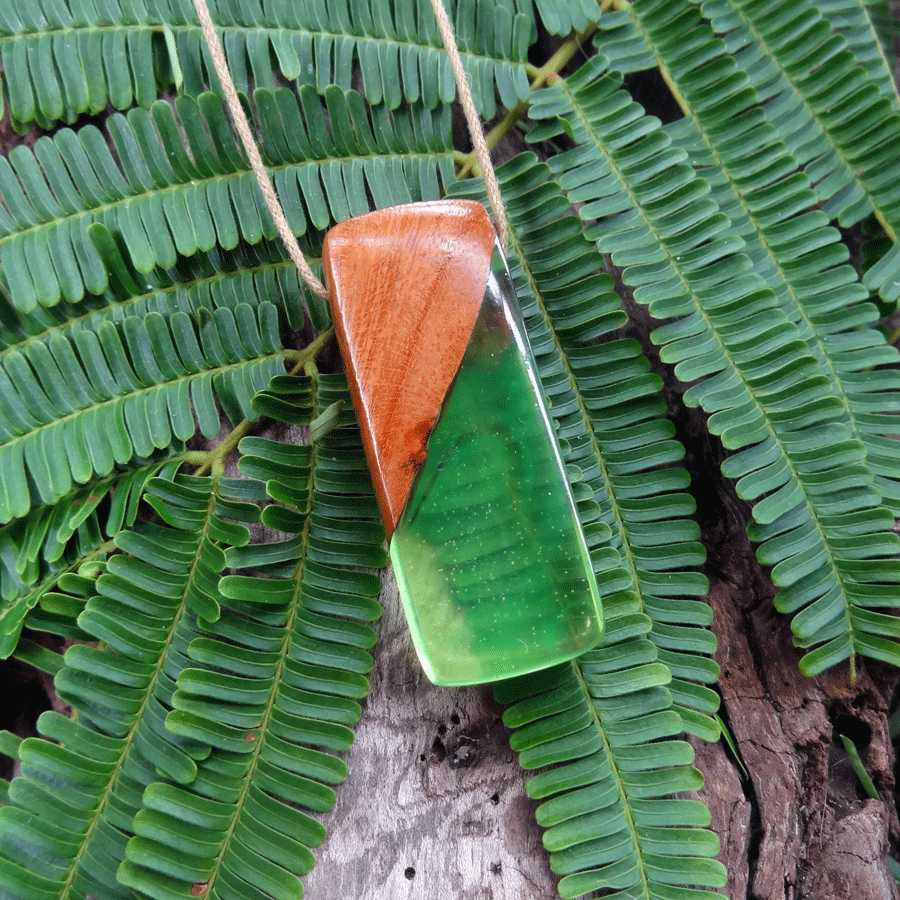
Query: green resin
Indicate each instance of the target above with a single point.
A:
(490, 559)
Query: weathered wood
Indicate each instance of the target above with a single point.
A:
(435, 805)
(800, 827)
(406, 287)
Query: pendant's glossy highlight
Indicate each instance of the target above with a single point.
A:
(493, 570)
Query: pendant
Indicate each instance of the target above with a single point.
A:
(492, 566)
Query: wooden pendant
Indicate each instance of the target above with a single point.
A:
(407, 285)
(493, 570)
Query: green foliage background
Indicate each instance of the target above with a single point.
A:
(145, 304)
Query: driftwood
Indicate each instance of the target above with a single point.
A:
(800, 826)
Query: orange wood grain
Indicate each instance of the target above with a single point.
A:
(406, 286)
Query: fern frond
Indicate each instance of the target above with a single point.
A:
(130, 390)
(273, 685)
(623, 44)
(837, 118)
(165, 573)
(836, 122)
(884, 25)
(613, 418)
(564, 18)
(167, 200)
(64, 59)
(45, 558)
(773, 208)
(855, 20)
(604, 724)
(753, 372)
(248, 274)
(837, 113)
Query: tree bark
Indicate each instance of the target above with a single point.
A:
(800, 827)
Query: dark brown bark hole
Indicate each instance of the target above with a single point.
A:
(464, 754)
(858, 731)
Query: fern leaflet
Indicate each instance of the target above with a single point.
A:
(64, 59)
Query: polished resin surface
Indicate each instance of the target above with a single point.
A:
(489, 556)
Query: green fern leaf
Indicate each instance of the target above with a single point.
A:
(855, 20)
(884, 25)
(730, 339)
(836, 119)
(773, 208)
(564, 18)
(167, 200)
(586, 718)
(121, 692)
(605, 726)
(131, 391)
(63, 60)
(248, 274)
(839, 120)
(820, 111)
(273, 686)
(42, 556)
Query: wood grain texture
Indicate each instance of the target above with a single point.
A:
(406, 286)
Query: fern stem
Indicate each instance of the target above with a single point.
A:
(213, 459)
(539, 77)
(196, 457)
(302, 358)
(620, 786)
(883, 222)
(856, 762)
(259, 733)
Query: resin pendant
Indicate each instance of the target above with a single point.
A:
(492, 566)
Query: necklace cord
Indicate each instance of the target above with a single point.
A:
(473, 122)
(252, 150)
(254, 157)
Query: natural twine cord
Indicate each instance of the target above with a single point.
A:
(253, 154)
(479, 145)
(262, 176)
